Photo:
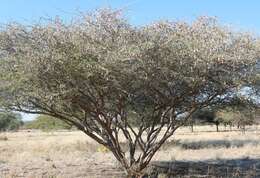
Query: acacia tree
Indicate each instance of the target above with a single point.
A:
(207, 115)
(100, 73)
(240, 111)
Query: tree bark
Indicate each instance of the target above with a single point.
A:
(135, 173)
(192, 129)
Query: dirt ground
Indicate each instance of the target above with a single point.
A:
(72, 154)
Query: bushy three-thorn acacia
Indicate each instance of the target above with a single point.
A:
(101, 74)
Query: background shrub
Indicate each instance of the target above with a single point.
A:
(10, 121)
(46, 123)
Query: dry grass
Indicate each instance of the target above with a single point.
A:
(72, 154)
(3, 138)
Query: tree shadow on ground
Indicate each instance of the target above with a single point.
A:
(220, 168)
(224, 168)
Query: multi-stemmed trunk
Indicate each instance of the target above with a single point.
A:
(135, 172)
(140, 152)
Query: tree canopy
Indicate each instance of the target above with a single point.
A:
(98, 70)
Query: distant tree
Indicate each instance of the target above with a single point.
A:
(236, 110)
(47, 123)
(244, 118)
(257, 115)
(244, 110)
(241, 118)
(191, 123)
(206, 116)
(99, 70)
(226, 117)
(10, 121)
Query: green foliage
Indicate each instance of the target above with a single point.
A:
(47, 123)
(239, 111)
(226, 117)
(101, 60)
(10, 121)
(230, 115)
(205, 116)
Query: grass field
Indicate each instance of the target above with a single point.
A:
(72, 154)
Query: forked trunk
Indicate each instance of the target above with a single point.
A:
(135, 176)
(135, 173)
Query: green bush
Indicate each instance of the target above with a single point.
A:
(10, 121)
(46, 123)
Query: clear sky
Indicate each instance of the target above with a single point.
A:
(241, 14)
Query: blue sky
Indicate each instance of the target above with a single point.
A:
(241, 14)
